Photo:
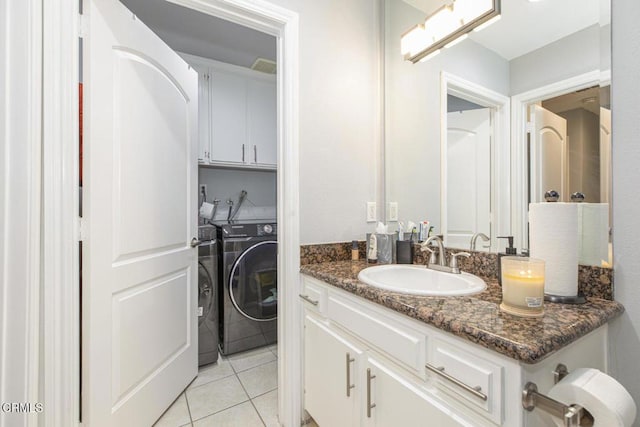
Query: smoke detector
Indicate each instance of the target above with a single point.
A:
(264, 66)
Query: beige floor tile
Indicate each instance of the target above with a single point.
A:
(215, 396)
(251, 359)
(176, 415)
(260, 379)
(274, 349)
(243, 415)
(215, 371)
(267, 406)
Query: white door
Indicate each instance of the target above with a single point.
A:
(330, 364)
(261, 111)
(139, 269)
(468, 189)
(399, 402)
(548, 154)
(228, 118)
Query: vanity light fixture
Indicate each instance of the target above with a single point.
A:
(446, 26)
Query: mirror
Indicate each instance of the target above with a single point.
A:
(443, 171)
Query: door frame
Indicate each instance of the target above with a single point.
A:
(519, 130)
(62, 229)
(500, 156)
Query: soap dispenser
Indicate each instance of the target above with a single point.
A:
(510, 250)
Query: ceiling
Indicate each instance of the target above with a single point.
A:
(196, 33)
(588, 99)
(529, 25)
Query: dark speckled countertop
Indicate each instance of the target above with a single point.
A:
(478, 318)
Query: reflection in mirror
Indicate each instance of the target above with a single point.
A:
(560, 47)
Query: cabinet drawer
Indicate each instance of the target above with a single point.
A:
(397, 340)
(314, 295)
(466, 375)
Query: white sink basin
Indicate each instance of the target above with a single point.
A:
(418, 280)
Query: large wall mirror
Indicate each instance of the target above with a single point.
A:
(486, 126)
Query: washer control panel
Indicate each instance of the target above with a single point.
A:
(266, 229)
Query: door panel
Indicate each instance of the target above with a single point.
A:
(468, 176)
(261, 110)
(140, 201)
(548, 154)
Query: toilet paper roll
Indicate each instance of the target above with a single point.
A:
(206, 210)
(553, 237)
(607, 400)
(593, 228)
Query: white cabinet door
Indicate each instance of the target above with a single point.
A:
(228, 118)
(204, 120)
(331, 365)
(139, 271)
(399, 402)
(261, 117)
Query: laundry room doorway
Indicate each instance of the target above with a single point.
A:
(107, 355)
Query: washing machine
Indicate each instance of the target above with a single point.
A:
(207, 297)
(248, 286)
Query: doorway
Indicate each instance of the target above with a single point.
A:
(280, 23)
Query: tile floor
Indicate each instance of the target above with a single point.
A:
(240, 390)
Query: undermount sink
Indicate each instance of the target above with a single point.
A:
(419, 280)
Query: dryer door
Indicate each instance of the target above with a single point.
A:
(253, 282)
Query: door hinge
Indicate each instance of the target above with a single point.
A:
(529, 127)
(83, 28)
(82, 229)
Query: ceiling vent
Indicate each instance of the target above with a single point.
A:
(264, 66)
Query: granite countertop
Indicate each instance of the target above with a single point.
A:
(478, 318)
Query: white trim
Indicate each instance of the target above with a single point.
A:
(61, 202)
(519, 102)
(500, 171)
(20, 207)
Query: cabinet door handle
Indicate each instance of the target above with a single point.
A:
(307, 299)
(349, 385)
(476, 391)
(243, 153)
(255, 154)
(370, 405)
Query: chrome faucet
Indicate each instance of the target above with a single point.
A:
(437, 261)
(484, 238)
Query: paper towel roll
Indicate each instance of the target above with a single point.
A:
(553, 237)
(593, 229)
(206, 210)
(607, 400)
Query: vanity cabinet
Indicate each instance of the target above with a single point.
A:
(237, 113)
(367, 365)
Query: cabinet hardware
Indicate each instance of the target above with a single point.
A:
(476, 391)
(243, 153)
(370, 405)
(349, 385)
(307, 299)
(255, 154)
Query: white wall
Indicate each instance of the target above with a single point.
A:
(224, 184)
(625, 331)
(339, 116)
(413, 114)
(575, 54)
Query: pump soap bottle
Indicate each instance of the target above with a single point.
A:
(510, 250)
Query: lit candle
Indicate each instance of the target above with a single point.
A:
(522, 286)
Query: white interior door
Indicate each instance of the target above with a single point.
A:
(468, 190)
(139, 270)
(548, 154)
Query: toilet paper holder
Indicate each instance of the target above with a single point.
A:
(572, 415)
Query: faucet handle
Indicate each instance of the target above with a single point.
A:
(453, 261)
(433, 254)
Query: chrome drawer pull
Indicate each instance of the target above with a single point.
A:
(349, 385)
(307, 299)
(476, 391)
(370, 405)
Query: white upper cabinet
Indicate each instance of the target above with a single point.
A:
(237, 115)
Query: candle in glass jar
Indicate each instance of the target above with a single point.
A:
(522, 286)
